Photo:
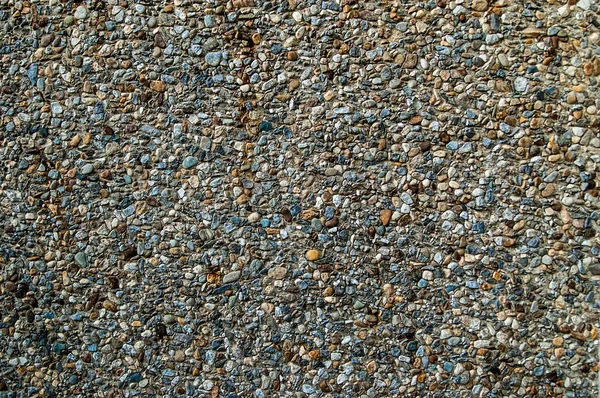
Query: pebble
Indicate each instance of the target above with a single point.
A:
(385, 216)
(213, 58)
(231, 277)
(189, 162)
(81, 12)
(87, 169)
(81, 259)
(313, 255)
(521, 84)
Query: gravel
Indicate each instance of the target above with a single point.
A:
(301, 198)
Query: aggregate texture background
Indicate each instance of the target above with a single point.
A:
(299, 198)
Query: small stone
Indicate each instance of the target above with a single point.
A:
(427, 275)
(548, 191)
(479, 5)
(508, 242)
(32, 73)
(189, 162)
(584, 4)
(277, 273)
(231, 277)
(81, 259)
(87, 169)
(313, 255)
(525, 142)
(81, 12)
(385, 216)
(594, 269)
(157, 85)
(213, 58)
(521, 84)
(532, 32)
(179, 356)
(205, 143)
(109, 306)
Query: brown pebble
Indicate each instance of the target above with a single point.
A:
(548, 191)
(508, 242)
(313, 255)
(292, 56)
(75, 140)
(324, 386)
(314, 355)
(294, 84)
(332, 223)
(157, 85)
(385, 216)
(525, 142)
(109, 306)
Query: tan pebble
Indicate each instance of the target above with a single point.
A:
(559, 352)
(75, 140)
(212, 278)
(536, 123)
(105, 175)
(578, 89)
(532, 32)
(267, 307)
(277, 272)
(109, 306)
(385, 216)
(328, 291)
(479, 5)
(313, 255)
(157, 85)
(371, 367)
(508, 242)
(549, 190)
(179, 356)
(519, 225)
(314, 354)
(588, 69)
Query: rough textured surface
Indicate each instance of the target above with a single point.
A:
(299, 198)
